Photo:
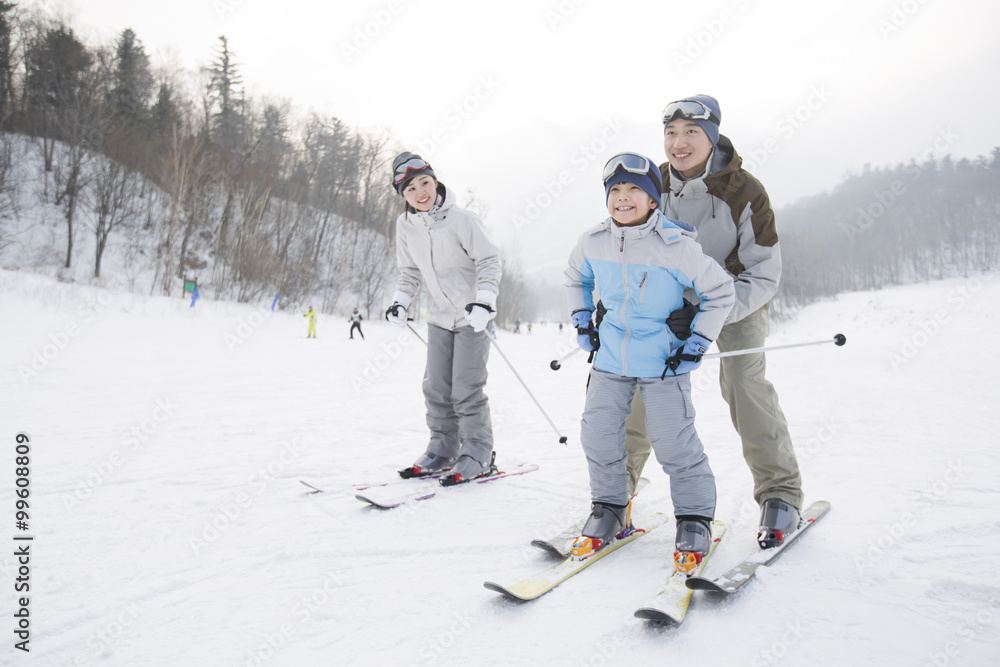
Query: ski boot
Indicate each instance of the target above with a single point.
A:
(428, 464)
(467, 469)
(777, 520)
(605, 523)
(694, 537)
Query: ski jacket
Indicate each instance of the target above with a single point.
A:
(447, 250)
(356, 318)
(311, 314)
(640, 274)
(732, 214)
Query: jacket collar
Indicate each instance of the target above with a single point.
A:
(438, 213)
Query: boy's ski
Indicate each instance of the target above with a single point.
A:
(671, 603)
(738, 576)
(561, 544)
(388, 498)
(543, 582)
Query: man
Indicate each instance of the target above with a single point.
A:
(705, 186)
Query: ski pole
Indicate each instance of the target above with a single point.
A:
(556, 364)
(415, 332)
(562, 438)
(837, 340)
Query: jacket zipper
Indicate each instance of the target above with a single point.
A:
(628, 330)
(642, 287)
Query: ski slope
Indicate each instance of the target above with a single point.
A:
(170, 528)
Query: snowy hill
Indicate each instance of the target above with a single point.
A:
(170, 527)
(350, 272)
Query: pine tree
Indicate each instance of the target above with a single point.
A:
(6, 62)
(227, 116)
(133, 83)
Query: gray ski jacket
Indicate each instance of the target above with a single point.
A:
(735, 223)
(447, 250)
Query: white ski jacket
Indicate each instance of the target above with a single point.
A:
(447, 250)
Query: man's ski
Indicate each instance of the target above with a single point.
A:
(561, 544)
(671, 603)
(543, 582)
(738, 576)
(390, 498)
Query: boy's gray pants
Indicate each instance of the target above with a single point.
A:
(458, 411)
(670, 425)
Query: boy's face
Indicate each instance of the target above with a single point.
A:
(421, 192)
(687, 146)
(629, 204)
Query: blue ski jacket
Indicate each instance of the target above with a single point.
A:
(639, 274)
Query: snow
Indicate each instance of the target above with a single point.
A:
(170, 528)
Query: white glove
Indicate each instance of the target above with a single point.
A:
(478, 317)
(396, 314)
(479, 314)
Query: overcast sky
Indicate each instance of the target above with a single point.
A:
(523, 101)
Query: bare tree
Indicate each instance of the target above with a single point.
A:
(114, 199)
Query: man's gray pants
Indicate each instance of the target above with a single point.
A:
(458, 411)
(670, 425)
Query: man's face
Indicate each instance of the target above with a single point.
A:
(687, 146)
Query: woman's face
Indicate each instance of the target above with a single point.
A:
(421, 192)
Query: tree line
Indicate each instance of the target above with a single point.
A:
(891, 225)
(217, 183)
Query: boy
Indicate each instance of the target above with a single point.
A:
(640, 263)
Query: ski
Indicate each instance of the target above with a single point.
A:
(741, 574)
(538, 585)
(371, 485)
(388, 498)
(671, 603)
(561, 544)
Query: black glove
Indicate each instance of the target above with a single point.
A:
(680, 320)
(599, 314)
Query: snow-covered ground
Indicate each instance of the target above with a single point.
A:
(170, 528)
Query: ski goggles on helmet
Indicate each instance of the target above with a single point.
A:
(632, 163)
(689, 110)
(405, 169)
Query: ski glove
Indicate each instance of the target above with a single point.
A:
(681, 319)
(478, 316)
(687, 358)
(396, 313)
(479, 313)
(586, 335)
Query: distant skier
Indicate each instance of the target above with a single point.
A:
(356, 324)
(640, 263)
(311, 314)
(446, 249)
(706, 186)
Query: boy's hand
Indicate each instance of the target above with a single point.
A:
(687, 358)
(681, 319)
(586, 334)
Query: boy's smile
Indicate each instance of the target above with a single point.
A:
(629, 204)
